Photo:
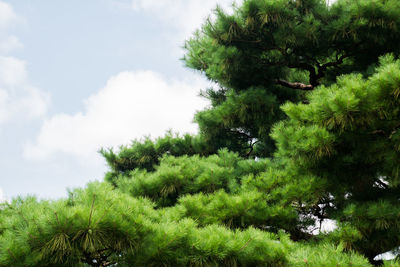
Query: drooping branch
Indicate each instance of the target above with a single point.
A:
(295, 85)
(314, 77)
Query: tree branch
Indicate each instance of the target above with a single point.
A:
(313, 75)
(241, 133)
(295, 85)
(322, 68)
(251, 148)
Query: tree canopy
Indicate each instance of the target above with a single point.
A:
(269, 52)
(303, 128)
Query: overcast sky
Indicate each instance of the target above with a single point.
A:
(76, 76)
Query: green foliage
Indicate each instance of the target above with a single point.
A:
(267, 39)
(182, 244)
(178, 176)
(240, 119)
(324, 255)
(242, 210)
(391, 263)
(266, 50)
(301, 82)
(99, 226)
(244, 192)
(347, 136)
(145, 154)
(94, 224)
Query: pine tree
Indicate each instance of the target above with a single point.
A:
(348, 137)
(269, 52)
(304, 127)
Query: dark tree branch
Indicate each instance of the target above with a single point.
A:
(303, 66)
(295, 85)
(382, 132)
(322, 68)
(339, 60)
(313, 75)
(238, 132)
(251, 148)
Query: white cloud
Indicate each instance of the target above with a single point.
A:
(33, 104)
(185, 15)
(7, 14)
(18, 98)
(26, 102)
(131, 105)
(7, 18)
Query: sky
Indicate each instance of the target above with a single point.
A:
(76, 76)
